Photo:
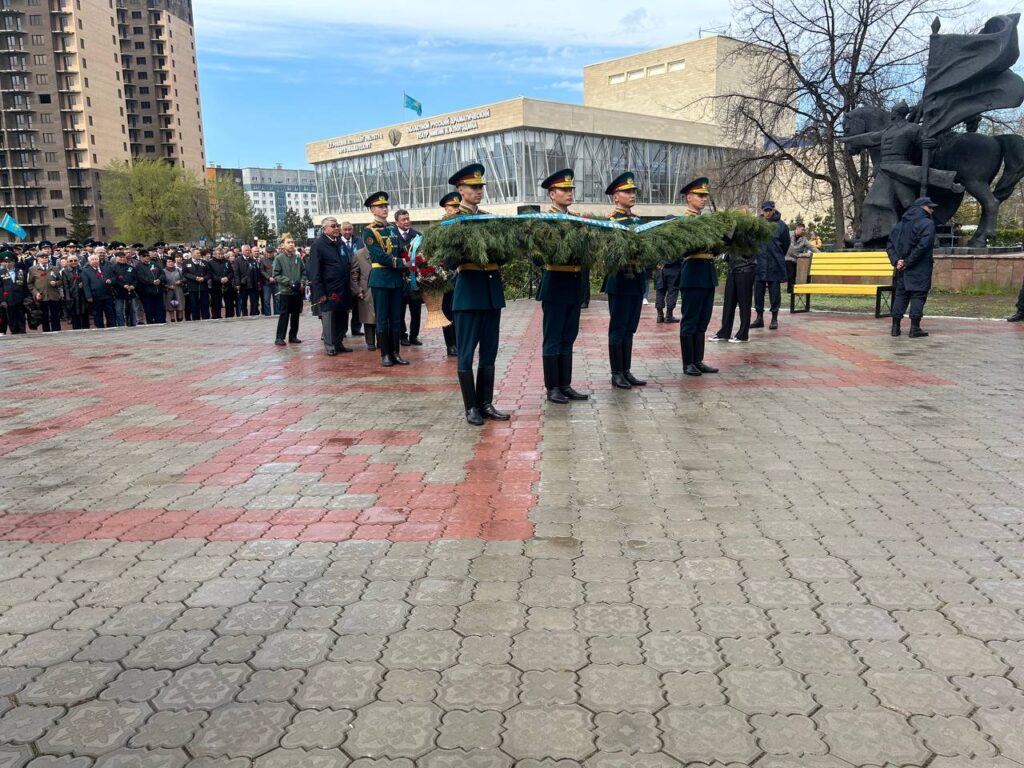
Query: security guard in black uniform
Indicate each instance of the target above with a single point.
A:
(477, 304)
(561, 294)
(625, 291)
(388, 266)
(697, 281)
(450, 203)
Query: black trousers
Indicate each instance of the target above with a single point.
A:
(1020, 299)
(475, 327)
(217, 301)
(51, 315)
(291, 309)
(774, 295)
(198, 305)
(790, 276)
(249, 302)
(415, 305)
(356, 325)
(624, 310)
(12, 319)
(666, 287)
(902, 298)
(153, 304)
(101, 308)
(698, 304)
(739, 292)
(561, 327)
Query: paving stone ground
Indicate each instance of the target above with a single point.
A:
(218, 553)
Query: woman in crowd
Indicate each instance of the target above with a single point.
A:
(174, 297)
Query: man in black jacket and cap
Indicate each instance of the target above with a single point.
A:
(329, 270)
(771, 267)
(911, 248)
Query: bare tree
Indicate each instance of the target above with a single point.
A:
(809, 62)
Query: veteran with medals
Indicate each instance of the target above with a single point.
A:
(562, 293)
(625, 290)
(697, 282)
(388, 266)
(479, 297)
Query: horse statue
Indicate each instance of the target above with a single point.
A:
(975, 158)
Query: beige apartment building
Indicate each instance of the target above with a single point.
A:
(651, 113)
(84, 83)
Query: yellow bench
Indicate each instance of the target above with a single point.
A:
(862, 273)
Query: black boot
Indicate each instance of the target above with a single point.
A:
(774, 326)
(689, 361)
(896, 326)
(758, 321)
(627, 363)
(698, 354)
(915, 329)
(551, 380)
(469, 398)
(370, 331)
(384, 344)
(327, 320)
(1016, 317)
(661, 316)
(395, 342)
(615, 359)
(565, 378)
(449, 340)
(485, 394)
(671, 317)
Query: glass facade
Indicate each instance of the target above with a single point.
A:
(517, 161)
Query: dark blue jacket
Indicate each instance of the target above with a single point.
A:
(329, 270)
(771, 262)
(913, 240)
(94, 284)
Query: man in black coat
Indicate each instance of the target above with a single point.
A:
(329, 269)
(911, 248)
(151, 288)
(98, 286)
(220, 286)
(197, 294)
(12, 294)
(246, 279)
(411, 298)
(771, 267)
(125, 284)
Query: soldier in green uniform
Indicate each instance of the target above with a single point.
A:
(625, 291)
(388, 265)
(561, 295)
(450, 204)
(697, 282)
(479, 297)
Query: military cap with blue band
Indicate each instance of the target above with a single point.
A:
(452, 198)
(624, 182)
(699, 186)
(377, 198)
(563, 179)
(471, 176)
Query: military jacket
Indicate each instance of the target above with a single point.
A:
(626, 282)
(698, 271)
(194, 274)
(476, 287)
(12, 291)
(562, 285)
(387, 251)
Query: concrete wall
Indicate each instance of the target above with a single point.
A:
(958, 273)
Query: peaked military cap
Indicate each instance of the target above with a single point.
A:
(7, 255)
(45, 244)
(622, 183)
(377, 198)
(452, 198)
(563, 179)
(159, 244)
(472, 176)
(699, 186)
(115, 244)
(136, 245)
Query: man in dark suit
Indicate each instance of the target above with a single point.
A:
(411, 299)
(97, 284)
(329, 270)
(349, 246)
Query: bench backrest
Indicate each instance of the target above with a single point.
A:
(870, 267)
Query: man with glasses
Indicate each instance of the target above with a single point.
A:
(75, 304)
(329, 270)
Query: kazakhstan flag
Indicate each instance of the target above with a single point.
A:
(411, 103)
(10, 225)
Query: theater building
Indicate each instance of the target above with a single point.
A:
(652, 113)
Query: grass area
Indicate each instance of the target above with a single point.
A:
(940, 303)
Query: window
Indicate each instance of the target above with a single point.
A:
(62, 231)
(140, 46)
(42, 79)
(53, 175)
(616, 79)
(38, 40)
(657, 69)
(34, 20)
(44, 98)
(39, 58)
(49, 157)
(48, 138)
(677, 66)
(56, 194)
(58, 213)
(140, 60)
(635, 74)
(45, 117)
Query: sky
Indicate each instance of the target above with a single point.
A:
(275, 76)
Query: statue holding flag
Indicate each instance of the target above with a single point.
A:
(915, 151)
